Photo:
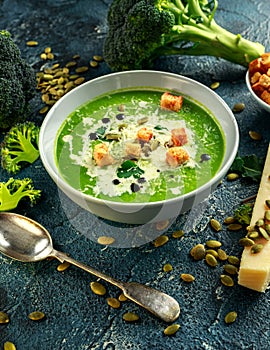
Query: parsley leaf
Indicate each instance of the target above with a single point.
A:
(128, 169)
(249, 166)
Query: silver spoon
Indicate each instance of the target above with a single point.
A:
(25, 240)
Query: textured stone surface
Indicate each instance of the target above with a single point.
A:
(75, 317)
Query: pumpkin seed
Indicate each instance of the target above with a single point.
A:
(215, 224)
(246, 242)
(222, 255)
(212, 251)
(43, 56)
(234, 227)
(98, 288)
(142, 120)
(3, 317)
(213, 244)
(215, 85)
(267, 202)
(171, 329)
(238, 107)
(259, 222)
(63, 266)
(79, 81)
(105, 240)
(32, 43)
(232, 176)
(71, 64)
(93, 64)
(48, 50)
(229, 220)
(211, 260)
(131, 317)
(9, 346)
(178, 234)
(160, 241)
(267, 215)
(264, 233)
(255, 135)
(114, 303)
(231, 269)
(187, 277)
(76, 57)
(256, 248)
(36, 315)
(267, 228)
(230, 317)
(227, 280)
(122, 297)
(98, 58)
(167, 268)
(198, 252)
(50, 56)
(234, 260)
(253, 234)
(81, 69)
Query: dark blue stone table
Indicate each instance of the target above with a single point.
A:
(77, 319)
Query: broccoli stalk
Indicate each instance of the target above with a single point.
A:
(17, 83)
(20, 146)
(140, 31)
(12, 191)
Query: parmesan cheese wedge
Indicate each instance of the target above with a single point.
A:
(254, 271)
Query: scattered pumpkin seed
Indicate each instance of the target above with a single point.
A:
(171, 329)
(79, 80)
(222, 255)
(259, 222)
(246, 242)
(98, 58)
(105, 240)
(232, 176)
(114, 303)
(229, 220)
(267, 202)
(131, 317)
(50, 56)
(36, 315)
(98, 288)
(256, 248)
(160, 241)
(230, 317)
(4, 317)
(231, 269)
(187, 277)
(76, 57)
(81, 69)
(167, 268)
(212, 243)
(267, 215)
(43, 56)
(93, 64)
(178, 234)
(267, 228)
(122, 297)
(63, 266)
(255, 135)
(238, 107)
(48, 50)
(264, 233)
(71, 64)
(32, 43)
(234, 260)
(215, 85)
(253, 235)
(234, 227)
(212, 251)
(215, 224)
(211, 260)
(9, 346)
(227, 280)
(198, 252)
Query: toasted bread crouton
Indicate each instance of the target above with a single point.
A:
(133, 150)
(101, 155)
(171, 102)
(265, 60)
(255, 77)
(176, 156)
(144, 134)
(255, 66)
(179, 136)
(265, 96)
(264, 81)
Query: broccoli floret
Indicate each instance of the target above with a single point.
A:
(17, 83)
(243, 214)
(20, 146)
(139, 31)
(12, 191)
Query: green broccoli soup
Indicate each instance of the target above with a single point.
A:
(139, 145)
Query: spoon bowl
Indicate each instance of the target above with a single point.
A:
(26, 240)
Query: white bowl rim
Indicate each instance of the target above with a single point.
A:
(263, 104)
(64, 185)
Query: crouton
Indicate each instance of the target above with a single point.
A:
(265, 96)
(179, 136)
(171, 102)
(144, 134)
(133, 150)
(101, 155)
(176, 156)
(259, 72)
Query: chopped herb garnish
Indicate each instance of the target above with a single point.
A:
(249, 166)
(128, 169)
(159, 127)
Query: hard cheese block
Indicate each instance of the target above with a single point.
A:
(254, 271)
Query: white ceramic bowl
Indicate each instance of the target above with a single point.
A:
(135, 213)
(263, 104)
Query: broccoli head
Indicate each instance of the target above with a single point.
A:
(12, 191)
(17, 83)
(20, 146)
(243, 214)
(139, 31)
